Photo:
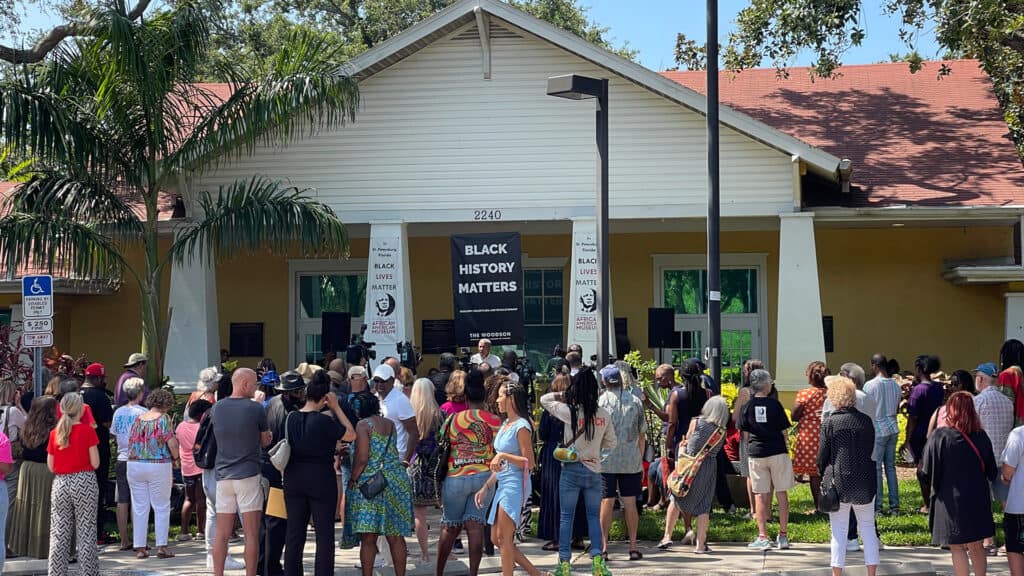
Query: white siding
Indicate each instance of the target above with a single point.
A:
(433, 141)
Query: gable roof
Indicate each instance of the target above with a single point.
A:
(914, 139)
(461, 13)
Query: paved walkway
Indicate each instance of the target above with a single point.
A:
(727, 559)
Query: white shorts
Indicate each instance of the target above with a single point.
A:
(240, 496)
(771, 474)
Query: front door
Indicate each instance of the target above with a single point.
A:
(320, 292)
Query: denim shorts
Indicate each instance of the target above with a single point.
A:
(457, 500)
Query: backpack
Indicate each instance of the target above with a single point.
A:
(205, 449)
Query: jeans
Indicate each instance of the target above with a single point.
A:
(210, 489)
(885, 457)
(840, 520)
(151, 486)
(579, 481)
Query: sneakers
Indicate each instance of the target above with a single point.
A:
(760, 544)
(184, 537)
(457, 548)
(563, 569)
(782, 542)
(600, 569)
(852, 545)
(378, 562)
(229, 563)
(689, 538)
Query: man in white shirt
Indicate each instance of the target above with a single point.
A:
(397, 408)
(887, 394)
(1013, 513)
(484, 355)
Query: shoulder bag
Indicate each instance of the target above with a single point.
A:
(828, 500)
(681, 479)
(443, 446)
(976, 451)
(204, 451)
(376, 484)
(567, 452)
(17, 448)
(281, 453)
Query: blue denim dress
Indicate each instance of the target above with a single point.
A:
(513, 481)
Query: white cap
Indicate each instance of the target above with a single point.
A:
(384, 372)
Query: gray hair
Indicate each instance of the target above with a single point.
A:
(69, 385)
(626, 375)
(716, 411)
(132, 388)
(760, 380)
(854, 372)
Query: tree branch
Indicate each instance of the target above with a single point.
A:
(55, 36)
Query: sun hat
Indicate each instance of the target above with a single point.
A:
(136, 359)
(291, 380)
(384, 372)
(95, 369)
(307, 370)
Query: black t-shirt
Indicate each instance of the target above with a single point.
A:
(440, 381)
(313, 436)
(102, 411)
(36, 453)
(765, 419)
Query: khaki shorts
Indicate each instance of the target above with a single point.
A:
(774, 473)
(240, 496)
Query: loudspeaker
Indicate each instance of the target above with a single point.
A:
(335, 331)
(661, 329)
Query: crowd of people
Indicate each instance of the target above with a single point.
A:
(377, 449)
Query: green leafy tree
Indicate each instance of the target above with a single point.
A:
(112, 121)
(992, 31)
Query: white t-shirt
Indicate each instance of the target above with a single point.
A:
(17, 421)
(493, 360)
(1013, 455)
(121, 427)
(396, 407)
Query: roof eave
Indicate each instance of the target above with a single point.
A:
(362, 66)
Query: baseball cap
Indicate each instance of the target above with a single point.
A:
(136, 359)
(384, 372)
(610, 373)
(988, 369)
(95, 369)
(357, 370)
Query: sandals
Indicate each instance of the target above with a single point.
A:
(550, 546)
(164, 553)
(635, 555)
(141, 554)
(991, 550)
(704, 550)
(664, 544)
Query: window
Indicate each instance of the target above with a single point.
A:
(319, 293)
(686, 291)
(543, 302)
(5, 316)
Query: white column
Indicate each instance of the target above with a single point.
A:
(584, 296)
(800, 339)
(388, 314)
(1015, 315)
(193, 337)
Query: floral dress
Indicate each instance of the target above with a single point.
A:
(808, 436)
(390, 512)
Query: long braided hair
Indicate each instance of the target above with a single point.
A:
(582, 395)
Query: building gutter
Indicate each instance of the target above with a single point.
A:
(896, 214)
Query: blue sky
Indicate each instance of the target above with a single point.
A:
(650, 26)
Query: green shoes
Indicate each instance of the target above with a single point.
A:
(563, 569)
(600, 568)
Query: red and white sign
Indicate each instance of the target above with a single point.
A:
(43, 340)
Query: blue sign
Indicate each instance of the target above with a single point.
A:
(37, 286)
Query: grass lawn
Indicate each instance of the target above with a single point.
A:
(906, 529)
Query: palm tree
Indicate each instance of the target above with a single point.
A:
(114, 125)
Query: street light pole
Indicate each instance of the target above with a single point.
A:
(604, 290)
(714, 344)
(576, 87)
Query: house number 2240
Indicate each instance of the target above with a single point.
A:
(486, 214)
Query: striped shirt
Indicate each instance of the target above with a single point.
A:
(886, 394)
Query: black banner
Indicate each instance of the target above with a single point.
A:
(487, 287)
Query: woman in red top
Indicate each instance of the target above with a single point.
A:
(72, 456)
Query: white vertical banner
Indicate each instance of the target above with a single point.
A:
(388, 315)
(584, 295)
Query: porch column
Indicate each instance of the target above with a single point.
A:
(800, 339)
(193, 336)
(388, 315)
(1015, 315)
(584, 303)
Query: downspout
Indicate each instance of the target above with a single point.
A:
(845, 172)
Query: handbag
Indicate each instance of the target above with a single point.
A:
(681, 479)
(977, 452)
(204, 451)
(376, 484)
(828, 500)
(281, 453)
(443, 447)
(17, 448)
(567, 452)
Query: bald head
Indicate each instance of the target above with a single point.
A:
(243, 383)
(664, 375)
(395, 364)
(338, 365)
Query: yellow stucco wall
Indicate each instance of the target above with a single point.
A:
(885, 289)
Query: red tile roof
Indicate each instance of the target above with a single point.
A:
(914, 139)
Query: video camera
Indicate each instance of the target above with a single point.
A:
(464, 359)
(362, 345)
(408, 355)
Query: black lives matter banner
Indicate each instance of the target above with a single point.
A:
(487, 286)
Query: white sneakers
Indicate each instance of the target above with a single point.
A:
(229, 563)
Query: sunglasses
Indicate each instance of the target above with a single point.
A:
(378, 381)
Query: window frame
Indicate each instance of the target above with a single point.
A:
(309, 267)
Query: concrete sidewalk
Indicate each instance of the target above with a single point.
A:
(726, 559)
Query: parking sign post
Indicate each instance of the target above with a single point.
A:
(37, 326)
